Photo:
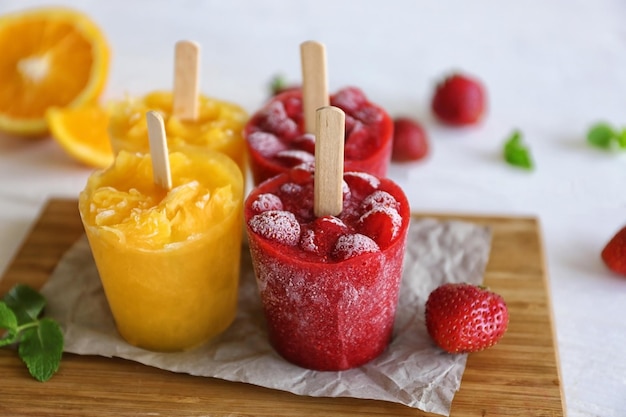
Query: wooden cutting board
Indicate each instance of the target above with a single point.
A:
(517, 377)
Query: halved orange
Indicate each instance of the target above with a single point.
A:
(83, 133)
(50, 57)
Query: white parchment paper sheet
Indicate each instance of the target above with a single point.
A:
(412, 371)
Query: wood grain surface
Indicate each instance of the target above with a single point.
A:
(517, 377)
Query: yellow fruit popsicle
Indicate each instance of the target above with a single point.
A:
(168, 260)
(219, 126)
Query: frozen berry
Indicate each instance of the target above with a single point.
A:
(301, 174)
(361, 183)
(297, 199)
(275, 119)
(349, 246)
(280, 226)
(379, 199)
(459, 100)
(321, 235)
(358, 142)
(305, 142)
(349, 99)
(266, 202)
(267, 144)
(381, 224)
(293, 107)
(293, 157)
(410, 142)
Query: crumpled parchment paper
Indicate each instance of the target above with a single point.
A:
(412, 371)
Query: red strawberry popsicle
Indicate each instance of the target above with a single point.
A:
(329, 284)
(277, 139)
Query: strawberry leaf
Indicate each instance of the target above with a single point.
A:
(26, 303)
(41, 349)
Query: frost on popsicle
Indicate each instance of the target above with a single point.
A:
(266, 202)
(363, 181)
(267, 144)
(276, 120)
(280, 226)
(349, 246)
(349, 99)
(379, 199)
(369, 221)
(292, 157)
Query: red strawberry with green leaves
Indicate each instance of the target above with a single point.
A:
(614, 253)
(463, 318)
(459, 100)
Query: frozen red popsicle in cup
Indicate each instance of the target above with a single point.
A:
(278, 139)
(329, 283)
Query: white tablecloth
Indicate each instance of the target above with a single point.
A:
(551, 69)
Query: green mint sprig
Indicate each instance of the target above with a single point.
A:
(517, 153)
(603, 135)
(277, 84)
(40, 339)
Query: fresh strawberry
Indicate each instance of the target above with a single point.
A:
(410, 142)
(614, 253)
(459, 100)
(464, 318)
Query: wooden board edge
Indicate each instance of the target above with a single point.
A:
(548, 289)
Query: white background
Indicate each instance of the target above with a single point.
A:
(551, 68)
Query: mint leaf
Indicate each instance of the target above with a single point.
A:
(8, 321)
(516, 152)
(621, 139)
(601, 135)
(26, 303)
(40, 340)
(41, 349)
(277, 84)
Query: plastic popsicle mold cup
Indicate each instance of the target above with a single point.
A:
(168, 261)
(276, 139)
(329, 285)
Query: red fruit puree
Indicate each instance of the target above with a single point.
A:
(277, 140)
(329, 285)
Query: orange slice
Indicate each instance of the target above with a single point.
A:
(51, 57)
(83, 133)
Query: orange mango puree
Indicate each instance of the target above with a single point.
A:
(219, 126)
(168, 261)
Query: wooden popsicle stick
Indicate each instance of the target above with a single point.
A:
(329, 142)
(314, 81)
(186, 80)
(158, 150)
